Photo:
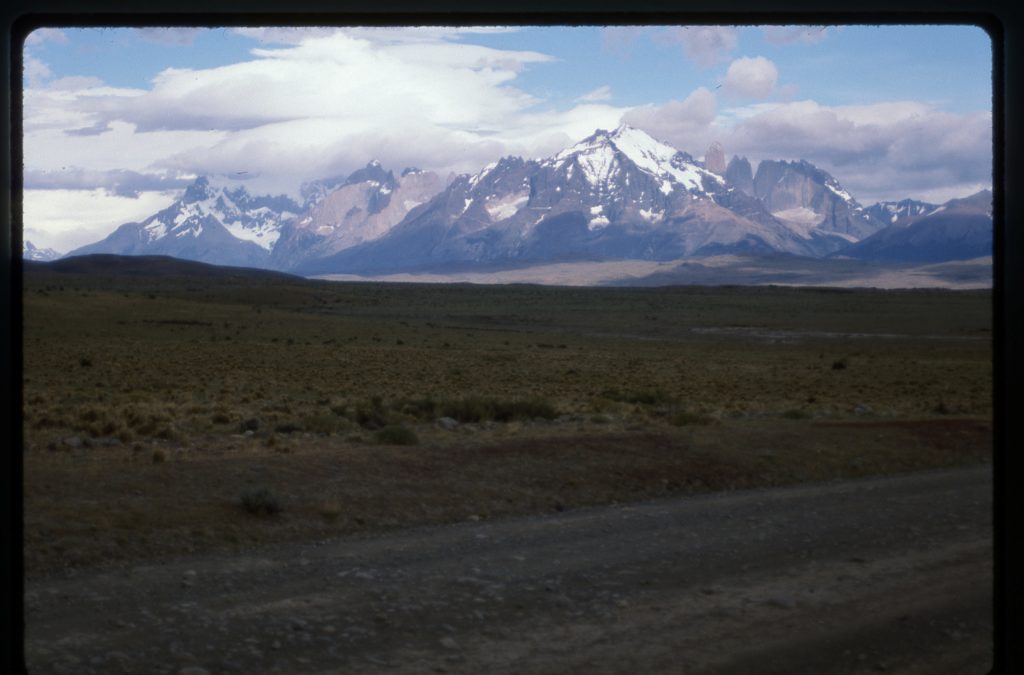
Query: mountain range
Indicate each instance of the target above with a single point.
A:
(616, 195)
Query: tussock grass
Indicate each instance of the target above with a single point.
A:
(396, 434)
(709, 396)
(483, 409)
(260, 501)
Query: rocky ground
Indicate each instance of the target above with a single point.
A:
(887, 574)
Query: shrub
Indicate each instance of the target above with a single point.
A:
(325, 424)
(645, 397)
(420, 408)
(839, 364)
(396, 434)
(260, 501)
(684, 418)
(480, 409)
(371, 415)
(288, 427)
(330, 510)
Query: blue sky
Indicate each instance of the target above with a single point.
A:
(117, 120)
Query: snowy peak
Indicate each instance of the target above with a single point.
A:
(198, 191)
(600, 157)
(960, 229)
(373, 172)
(892, 213)
(31, 252)
(257, 220)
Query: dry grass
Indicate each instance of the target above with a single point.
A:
(152, 406)
(111, 503)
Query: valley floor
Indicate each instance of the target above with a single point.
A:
(878, 575)
(179, 426)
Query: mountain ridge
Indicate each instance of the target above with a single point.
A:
(615, 195)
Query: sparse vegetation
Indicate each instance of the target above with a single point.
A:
(482, 409)
(396, 434)
(543, 386)
(684, 418)
(260, 501)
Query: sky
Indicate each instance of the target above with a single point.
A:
(117, 121)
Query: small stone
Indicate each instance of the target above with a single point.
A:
(193, 670)
(783, 601)
(447, 423)
(72, 442)
(449, 642)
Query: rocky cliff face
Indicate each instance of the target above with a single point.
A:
(617, 194)
(363, 208)
(714, 159)
(739, 175)
(801, 193)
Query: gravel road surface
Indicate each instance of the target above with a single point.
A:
(889, 574)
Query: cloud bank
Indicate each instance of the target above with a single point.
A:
(315, 102)
(889, 150)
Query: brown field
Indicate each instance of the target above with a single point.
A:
(157, 405)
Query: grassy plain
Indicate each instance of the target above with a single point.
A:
(159, 399)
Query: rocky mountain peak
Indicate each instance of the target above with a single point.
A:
(714, 159)
(740, 175)
(372, 172)
(200, 190)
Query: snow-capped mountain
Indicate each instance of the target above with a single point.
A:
(616, 194)
(226, 225)
(892, 213)
(363, 207)
(960, 229)
(30, 252)
(812, 200)
(221, 225)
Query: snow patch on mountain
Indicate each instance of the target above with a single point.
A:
(31, 252)
(264, 234)
(599, 158)
(506, 207)
(800, 219)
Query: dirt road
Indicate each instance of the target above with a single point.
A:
(882, 575)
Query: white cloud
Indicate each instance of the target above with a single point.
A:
(181, 36)
(704, 45)
(324, 103)
(787, 35)
(295, 35)
(66, 219)
(36, 72)
(685, 124)
(602, 93)
(620, 39)
(751, 77)
(888, 150)
(41, 35)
